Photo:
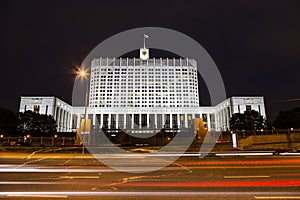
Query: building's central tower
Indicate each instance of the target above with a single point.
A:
(143, 82)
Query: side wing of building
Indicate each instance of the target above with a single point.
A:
(60, 110)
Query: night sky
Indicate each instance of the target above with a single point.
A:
(255, 44)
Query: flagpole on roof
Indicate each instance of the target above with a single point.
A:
(144, 41)
(145, 37)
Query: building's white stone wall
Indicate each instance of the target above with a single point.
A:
(134, 93)
(125, 82)
(215, 117)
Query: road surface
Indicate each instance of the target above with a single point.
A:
(43, 175)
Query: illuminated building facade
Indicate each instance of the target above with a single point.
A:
(143, 94)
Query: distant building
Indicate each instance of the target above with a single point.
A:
(60, 110)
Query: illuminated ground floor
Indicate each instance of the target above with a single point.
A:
(140, 119)
(134, 119)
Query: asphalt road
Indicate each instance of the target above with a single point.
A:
(57, 175)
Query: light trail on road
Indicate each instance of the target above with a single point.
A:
(213, 177)
(261, 183)
(143, 194)
(243, 162)
(272, 183)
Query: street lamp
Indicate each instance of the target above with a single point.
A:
(83, 74)
(1, 136)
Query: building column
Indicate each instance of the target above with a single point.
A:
(61, 113)
(178, 121)
(78, 120)
(208, 122)
(163, 120)
(94, 119)
(132, 121)
(140, 120)
(148, 120)
(223, 117)
(226, 119)
(186, 120)
(109, 120)
(70, 122)
(65, 121)
(171, 120)
(219, 121)
(101, 120)
(62, 120)
(216, 121)
(58, 120)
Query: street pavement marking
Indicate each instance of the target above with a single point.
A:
(79, 177)
(232, 177)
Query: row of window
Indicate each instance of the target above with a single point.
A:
(144, 105)
(150, 74)
(143, 97)
(168, 68)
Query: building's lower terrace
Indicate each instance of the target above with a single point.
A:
(215, 118)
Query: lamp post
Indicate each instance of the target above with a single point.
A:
(82, 73)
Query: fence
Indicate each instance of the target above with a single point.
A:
(160, 139)
(37, 141)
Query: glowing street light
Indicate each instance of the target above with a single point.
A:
(83, 74)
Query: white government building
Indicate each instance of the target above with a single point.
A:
(136, 93)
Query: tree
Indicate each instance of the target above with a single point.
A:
(249, 120)
(287, 119)
(36, 124)
(8, 122)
